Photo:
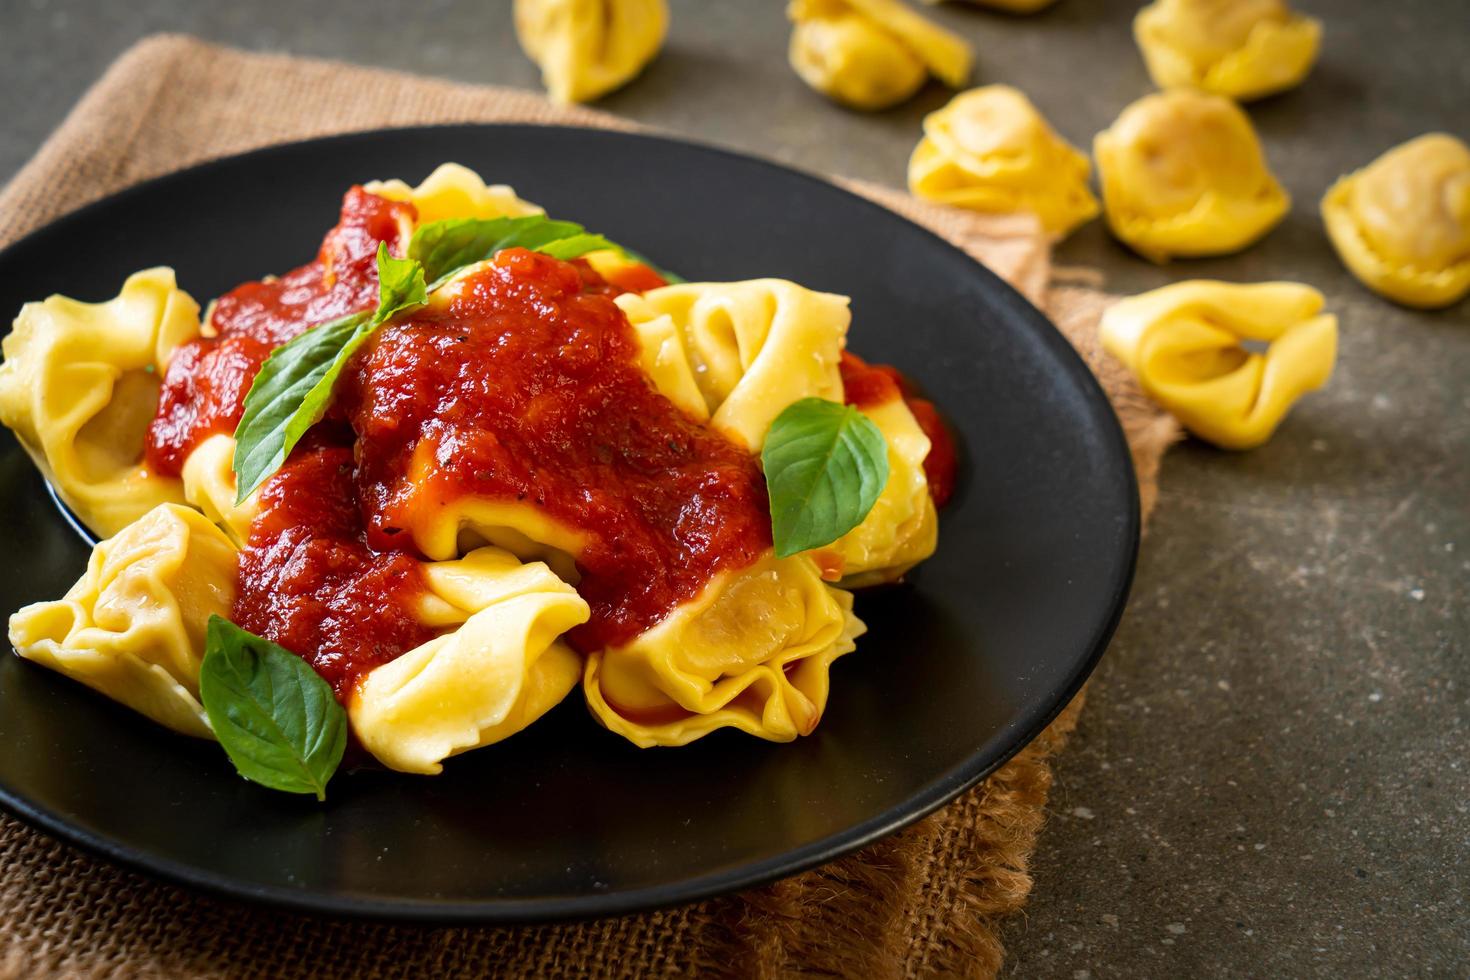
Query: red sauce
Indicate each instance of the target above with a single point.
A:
(204, 388)
(526, 387)
(867, 384)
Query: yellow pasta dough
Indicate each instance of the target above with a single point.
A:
(871, 54)
(133, 625)
(1402, 224)
(502, 667)
(1010, 6)
(1183, 174)
(902, 529)
(455, 191)
(209, 485)
(1243, 49)
(1186, 345)
(79, 386)
(737, 353)
(990, 150)
(752, 652)
(587, 48)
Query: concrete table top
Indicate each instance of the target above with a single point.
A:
(1271, 777)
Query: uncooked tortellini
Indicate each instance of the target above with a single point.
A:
(587, 48)
(1183, 174)
(1186, 345)
(902, 529)
(752, 652)
(133, 625)
(738, 353)
(1243, 49)
(1402, 224)
(455, 191)
(79, 386)
(990, 150)
(871, 54)
(503, 667)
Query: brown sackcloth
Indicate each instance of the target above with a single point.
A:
(924, 902)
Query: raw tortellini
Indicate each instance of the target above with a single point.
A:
(902, 529)
(133, 626)
(1243, 49)
(1402, 224)
(79, 386)
(587, 48)
(455, 191)
(990, 150)
(752, 652)
(1186, 345)
(501, 669)
(871, 54)
(1183, 174)
(737, 353)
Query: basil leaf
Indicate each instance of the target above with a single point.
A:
(825, 466)
(276, 718)
(294, 386)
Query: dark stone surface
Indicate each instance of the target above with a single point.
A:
(1271, 777)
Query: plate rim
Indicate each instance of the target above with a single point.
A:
(939, 791)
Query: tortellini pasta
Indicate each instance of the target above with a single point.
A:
(990, 150)
(502, 668)
(209, 485)
(1243, 49)
(1402, 224)
(1012, 6)
(752, 652)
(133, 625)
(1186, 344)
(455, 191)
(1183, 174)
(737, 353)
(902, 529)
(587, 48)
(871, 54)
(79, 386)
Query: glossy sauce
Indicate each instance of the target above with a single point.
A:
(867, 384)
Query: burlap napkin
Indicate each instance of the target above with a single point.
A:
(925, 902)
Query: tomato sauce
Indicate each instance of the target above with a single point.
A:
(867, 384)
(526, 387)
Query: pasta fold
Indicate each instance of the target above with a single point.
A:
(1186, 345)
(1402, 223)
(871, 54)
(1242, 49)
(502, 668)
(455, 191)
(79, 386)
(209, 484)
(1183, 174)
(990, 150)
(587, 48)
(133, 625)
(752, 652)
(738, 353)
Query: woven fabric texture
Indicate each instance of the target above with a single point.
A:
(925, 902)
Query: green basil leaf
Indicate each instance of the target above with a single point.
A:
(293, 388)
(275, 717)
(825, 466)
(445, 247)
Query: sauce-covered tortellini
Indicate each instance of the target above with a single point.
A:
(1402, 224)
(502, 667)
(1183, 174)
(737, 353)
(990, 150)
(587, 48)
(79, 386)
(1243, 49)
(872, 54)
(1186, 343)
(454, 191)
(752, 652)
(133, 625)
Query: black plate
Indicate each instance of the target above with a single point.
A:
(958, 671)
